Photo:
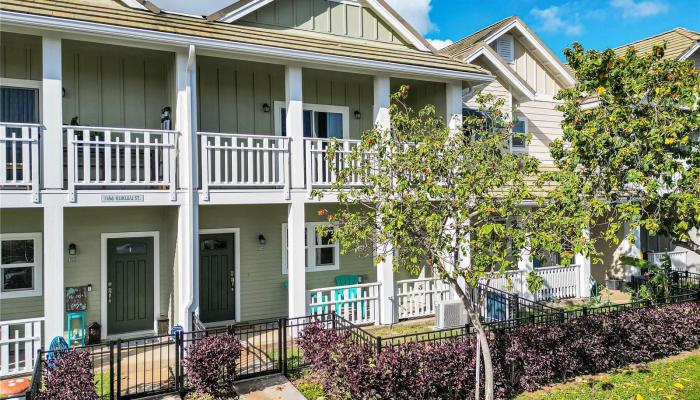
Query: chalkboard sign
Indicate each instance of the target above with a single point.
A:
(76, 298)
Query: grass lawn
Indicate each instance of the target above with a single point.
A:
(677, 377)
(402, 328)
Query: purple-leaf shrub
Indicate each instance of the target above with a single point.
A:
(210, 364)
(69, 377)
(524, 359)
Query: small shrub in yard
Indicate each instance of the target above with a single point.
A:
(524, 359)
(69, 377)
(210, 364)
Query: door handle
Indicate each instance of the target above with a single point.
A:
(232, 279)
(109, 292)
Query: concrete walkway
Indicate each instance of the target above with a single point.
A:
(275, 387)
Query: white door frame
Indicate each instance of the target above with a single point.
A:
(156, 278)
(237, 267)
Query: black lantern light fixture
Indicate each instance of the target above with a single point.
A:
(262, 240)
(72, 249)
(266, 108)
(358, 114)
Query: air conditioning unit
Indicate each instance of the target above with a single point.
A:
(451, 314)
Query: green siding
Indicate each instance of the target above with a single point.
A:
(232, 93)
(20, 56)
(115, 86)
(423, 93)
(24, 220)
(323, 16)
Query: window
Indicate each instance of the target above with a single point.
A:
(518, 141)
(20, 270)
(320, 121)
(505, 48)
(322, 254)
(19, 104)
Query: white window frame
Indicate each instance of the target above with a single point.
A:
(26, 84)
(344, 110)
(37, 265)
(311, 247)
(524, 148)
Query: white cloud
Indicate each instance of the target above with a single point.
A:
(416, 12)
(639, 9)
(440, 43)
(552, 20)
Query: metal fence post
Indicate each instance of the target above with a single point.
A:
(111, 370)
(281, 345)
(585, 311)
(515, 309)
(379, 345)
(178, 362)
(334, 319)
(119, 368)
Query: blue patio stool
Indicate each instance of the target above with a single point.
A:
(76, 335)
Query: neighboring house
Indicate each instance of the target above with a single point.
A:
(164, 162)
(681, 44)
(528, 76)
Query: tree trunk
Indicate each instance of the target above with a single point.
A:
(473, 314)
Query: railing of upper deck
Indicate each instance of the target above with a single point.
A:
(19, 157)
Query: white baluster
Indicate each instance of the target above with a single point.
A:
(128, 148)
(26, 143)
(147, 147)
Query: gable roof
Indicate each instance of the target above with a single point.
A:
(680, 44)
(521, 87)
(241, 8)
(114, 18)
(463, 48)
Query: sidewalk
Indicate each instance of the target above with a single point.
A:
(275, 387)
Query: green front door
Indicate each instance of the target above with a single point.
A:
(217, 277)
(130, 285)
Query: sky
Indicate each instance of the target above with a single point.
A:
(597, 24)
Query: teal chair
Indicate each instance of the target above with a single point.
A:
(76, 335)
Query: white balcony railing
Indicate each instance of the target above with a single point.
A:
(322, 172)
(358, 304)
(19, 156)
(244, 161)
(559, 282)
(19, 342)
(679, 259)
(118, 157)
(419, 297)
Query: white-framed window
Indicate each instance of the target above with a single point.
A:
(20, 100)
(322, 253)
(518, 142)
(506, 48)
(20, 265)
(320, 121)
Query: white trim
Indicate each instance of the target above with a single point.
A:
(27, 84)
(239, 13)
(288, 55)
(37, 265)
(525, 32)
(310, 249)
(525, 147)
(345, 111)
(690, 52)
(103, 278)
(237, 267)
(503, 69)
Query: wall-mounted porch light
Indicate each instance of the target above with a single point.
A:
(266, 108)
(358, 115)
(261, 240)
(72, 249)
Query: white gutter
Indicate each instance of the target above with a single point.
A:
(44, 22)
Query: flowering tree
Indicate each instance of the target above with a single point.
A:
(454, 200)
(631, 149)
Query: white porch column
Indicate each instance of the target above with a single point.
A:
(295, 123)
(525, 266)
(584, 263)
(53, 269)
(188, 213)
(52, 110)
(454, 105)
(631, 248)
(296, 257)
(385, 269)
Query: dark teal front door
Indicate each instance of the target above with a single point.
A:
(130, 278)
(217, 277)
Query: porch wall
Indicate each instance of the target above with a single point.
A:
(20, 56)
(22, 220)
(423, 93)
(84, 227)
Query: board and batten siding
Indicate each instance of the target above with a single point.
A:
(324, 16)
(423, 93)
(532, 71)
(20, 56)
(22, 220)
(497, 88)
(85, 226)
(544, 125)
(114, 86)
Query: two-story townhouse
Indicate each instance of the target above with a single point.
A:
(528, 76)
(157, 166)
(681, 44)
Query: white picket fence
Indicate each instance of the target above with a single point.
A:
(679, 259)
(358, 304)
(119, 157)
(559, 283)
(244, 161)
(419, 297)
(19, 342)
(19, 156)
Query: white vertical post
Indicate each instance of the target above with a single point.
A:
(188, 214)
(385, 268)
(52, 109)
(296, 257)
(295, 123)
(584, 275)
(53, 269)
(525, 266)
